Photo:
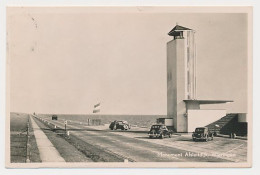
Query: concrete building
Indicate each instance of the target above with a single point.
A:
(182, 103)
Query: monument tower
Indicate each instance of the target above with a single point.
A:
(182, 103)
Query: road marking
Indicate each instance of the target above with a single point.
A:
(235, 148)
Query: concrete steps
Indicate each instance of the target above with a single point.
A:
(228, 124)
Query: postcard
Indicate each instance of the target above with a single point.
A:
(129, 87)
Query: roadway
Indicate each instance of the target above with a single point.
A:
(137, 147)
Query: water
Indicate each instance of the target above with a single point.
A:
(139, 120)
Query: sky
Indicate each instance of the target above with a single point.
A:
(65, 60)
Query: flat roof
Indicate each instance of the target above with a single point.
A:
(209, 101)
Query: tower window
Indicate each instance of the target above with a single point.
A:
(179, 35)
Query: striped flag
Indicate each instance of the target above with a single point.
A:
(97, 105)
(96, 108)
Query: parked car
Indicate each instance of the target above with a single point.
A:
(202, 133)
(123, 125)
(159, 131)
(54, 117)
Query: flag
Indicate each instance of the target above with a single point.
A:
(96, 108)
(97, 105)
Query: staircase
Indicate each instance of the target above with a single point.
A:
(229, 124)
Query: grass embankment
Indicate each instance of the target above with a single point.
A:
(18, 139)
(92, 152)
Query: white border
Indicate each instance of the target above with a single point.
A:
(256, 67)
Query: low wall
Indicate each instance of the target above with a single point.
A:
(242, 117)
(200, 118)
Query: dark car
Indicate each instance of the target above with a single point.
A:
(123, 125)
(202, 133)
(159, 131)
(54, 117)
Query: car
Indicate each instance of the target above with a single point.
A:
(202, 133)
(159, 131)
(123, 125)
(54, 117)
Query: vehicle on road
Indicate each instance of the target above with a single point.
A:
(123, 125)
(202, 133)
(159, 131)
(54, 117)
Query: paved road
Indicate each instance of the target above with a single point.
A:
(234, 150)
(48, 152)
(135, 149)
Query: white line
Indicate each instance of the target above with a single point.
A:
(234, 148)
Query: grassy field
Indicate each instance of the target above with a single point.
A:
(139, 120)
(18, 122)
(18, 139)
(95, 153)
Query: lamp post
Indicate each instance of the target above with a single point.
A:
(65, 125)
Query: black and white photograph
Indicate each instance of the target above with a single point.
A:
(128, 87)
